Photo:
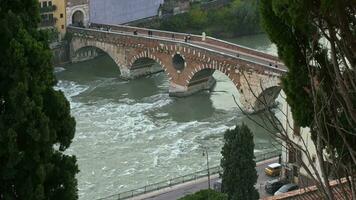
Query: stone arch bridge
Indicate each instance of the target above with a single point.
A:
(188, 63)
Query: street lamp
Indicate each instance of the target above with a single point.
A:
(205, 152)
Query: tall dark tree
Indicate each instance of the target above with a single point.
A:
(316, 40)
(35, 121)
(239, 168)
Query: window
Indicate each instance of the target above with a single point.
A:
(44, 4)
(50, 3)
(50, 17)
(44, 17)
(296, 130)
(294, 156)
(61, 15)
(62, 26)
(295, 171)
(291, 155)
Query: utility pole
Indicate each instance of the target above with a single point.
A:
(207, 164)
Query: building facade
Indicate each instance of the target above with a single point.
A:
(53, 16)
(292, 155)
(77, 12)
(122, 11)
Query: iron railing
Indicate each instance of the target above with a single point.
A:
(181, 179)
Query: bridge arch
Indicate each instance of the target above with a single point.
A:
(146, 56)
(202, 71)
(78, 18)
(255, 93)
(79, 13)
(77, 45)
(267, 97)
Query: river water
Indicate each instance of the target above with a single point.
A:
(131, 133)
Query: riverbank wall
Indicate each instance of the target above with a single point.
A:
(60, 51)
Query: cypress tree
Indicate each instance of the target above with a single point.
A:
(35, 122)
(316, 41)
(239, 168)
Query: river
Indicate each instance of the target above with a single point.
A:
(131, 133)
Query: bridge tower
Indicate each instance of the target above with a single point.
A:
(77, 12)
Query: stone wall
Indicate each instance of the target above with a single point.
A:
(60, 53)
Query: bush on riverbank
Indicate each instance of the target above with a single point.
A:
(240, 17)
(205, 194)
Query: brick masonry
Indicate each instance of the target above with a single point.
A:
(257, 83)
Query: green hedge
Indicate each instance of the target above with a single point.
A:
(204, 194)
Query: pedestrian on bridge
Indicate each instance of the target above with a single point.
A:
(203, 36)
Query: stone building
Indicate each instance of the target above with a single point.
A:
(122, 11)
(77, 12)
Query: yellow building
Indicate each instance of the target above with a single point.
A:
(53, 15)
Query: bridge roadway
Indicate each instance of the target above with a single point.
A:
(209, 43)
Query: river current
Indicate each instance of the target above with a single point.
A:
(131, 133)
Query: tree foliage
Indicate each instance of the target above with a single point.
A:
(204, 195)
(35, 122)
(239, 168)
(241, 17)
(316, 39)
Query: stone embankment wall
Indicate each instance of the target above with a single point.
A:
(61, 54)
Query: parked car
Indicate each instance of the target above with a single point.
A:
(217, 185)
(286, 188)
(273, 185)
(273, 169)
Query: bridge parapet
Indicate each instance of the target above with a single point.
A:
(202, 53)
(193, 37)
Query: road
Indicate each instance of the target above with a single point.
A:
(178, 191)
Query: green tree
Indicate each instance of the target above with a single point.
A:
(239, 168)
(198, 18)
(316, 40)
(35, 122)
(205, 195)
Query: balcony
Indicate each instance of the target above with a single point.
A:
(48, 9)
(48, 23)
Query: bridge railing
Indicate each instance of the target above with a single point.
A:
(181, 179)
(181, 36)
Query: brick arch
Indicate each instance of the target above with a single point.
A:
(109, 51)
(147, 54)
(231, 72)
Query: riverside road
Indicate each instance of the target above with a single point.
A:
(178, 191)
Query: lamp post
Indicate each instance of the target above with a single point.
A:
(205, 152)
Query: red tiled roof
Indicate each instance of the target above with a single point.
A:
(312, 192)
